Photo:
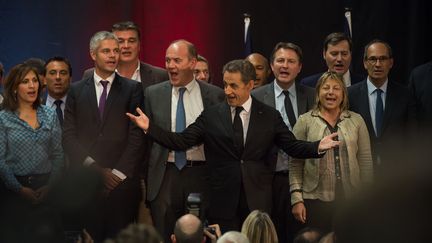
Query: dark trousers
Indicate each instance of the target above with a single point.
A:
(285, 223)
(23, 221)
(234, 223)
(107, 215)
(170, 203)
(319, 214)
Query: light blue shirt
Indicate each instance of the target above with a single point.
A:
(50, 103)
(26, 151)
(283, 158)
(373, 97)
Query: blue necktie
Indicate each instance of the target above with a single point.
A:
(103, 97)
(379, 112)
(59, 111)
(180, 156)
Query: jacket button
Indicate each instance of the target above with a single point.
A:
(241, 161)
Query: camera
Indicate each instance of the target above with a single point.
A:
(194, 204)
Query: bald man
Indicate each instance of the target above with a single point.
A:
(188, 228)
(262, 68)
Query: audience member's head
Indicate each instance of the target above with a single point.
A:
(137, 233)
(328, 238)
(238, 80)
(202, 69)
(286, 63)
(22, 85)
(129, 36)
(378, 60)
(233, 237)
(58, 75)
(308, 235)
(188, 229)
(104, 50)
(337, 52)
(258, 227)
(180, 60)
(262, 68)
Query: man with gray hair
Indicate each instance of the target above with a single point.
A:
(97, 134)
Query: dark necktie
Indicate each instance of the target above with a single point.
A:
(180, 156)
(379, 112)
(289, 109)
(103, 97)
(238, 131)
(59, 111)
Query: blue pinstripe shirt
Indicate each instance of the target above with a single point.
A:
(26, 151)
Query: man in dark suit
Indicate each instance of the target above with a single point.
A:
(167, 185)
(237, 136)
(386, 106)
(337, 55)
(421, 86)
(286, 57)
(58, 76)
(129, 65)
(96, 134)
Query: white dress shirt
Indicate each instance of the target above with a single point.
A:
(373, 97)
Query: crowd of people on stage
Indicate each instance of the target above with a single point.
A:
(131, 151)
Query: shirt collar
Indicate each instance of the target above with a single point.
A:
(371, 87)
(246, 106)
(137, 70)
(50, 100)
(189, 87)
(278, 90)
(97, 78)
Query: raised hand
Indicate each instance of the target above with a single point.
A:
(141, 120)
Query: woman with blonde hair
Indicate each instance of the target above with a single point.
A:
(259, 228)
(317, 184)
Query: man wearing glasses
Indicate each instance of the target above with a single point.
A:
(386, 106)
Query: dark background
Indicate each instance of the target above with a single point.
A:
(45, 28)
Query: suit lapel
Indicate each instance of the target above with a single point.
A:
(301, 100)
(389, 106)
(90, 93)
(255, 115)
(165, 104)
(269, 96)
(114, 92)
(364, 107)
(204, 95)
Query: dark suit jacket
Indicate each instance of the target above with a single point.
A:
(149, 74)
(158, 109)
(114, 141)
(312, 80)
(227, 170)
(399, 113)
(421, 86)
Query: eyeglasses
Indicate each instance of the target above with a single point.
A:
(374, 60)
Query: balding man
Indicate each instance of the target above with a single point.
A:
(262, 68)
(188, 228)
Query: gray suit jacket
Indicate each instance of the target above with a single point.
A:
(149, 74)
(305, 96)
(158, 109)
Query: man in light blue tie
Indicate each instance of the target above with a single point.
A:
(386, 106)
(174, 104)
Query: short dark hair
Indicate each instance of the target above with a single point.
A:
(245, 68)
(183, 237)
(389, 49)
(126, 25)
(201, 59)
(335, 38)
(37, 63)
(191, 47)
(59, 59)
(13, 79)
(287, 45)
